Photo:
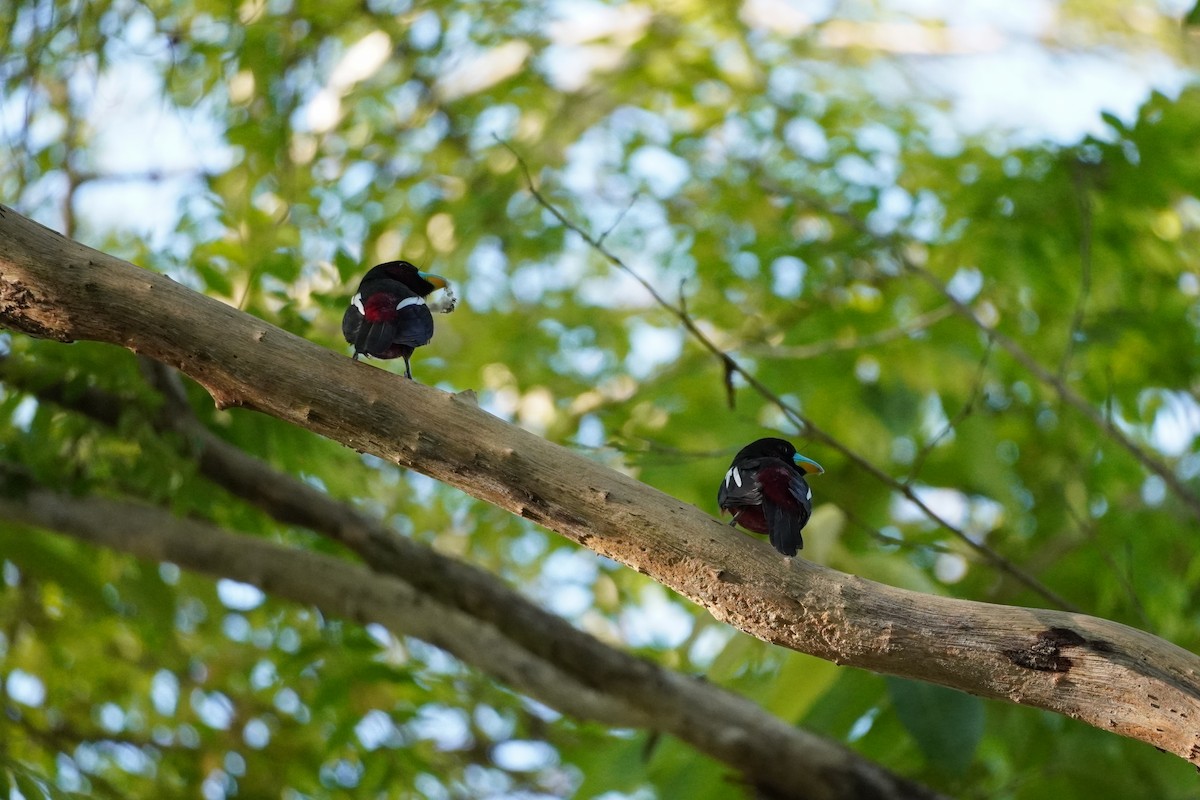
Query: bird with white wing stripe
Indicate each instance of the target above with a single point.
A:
(389, 317)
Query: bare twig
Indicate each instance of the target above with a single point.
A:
(1085, 272)
(732, 367)
(620, 217)
(818, 349)
(881, 537)
(1123, 576)
(1065, 392)
(951, 424)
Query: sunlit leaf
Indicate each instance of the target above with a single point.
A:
(946, 724)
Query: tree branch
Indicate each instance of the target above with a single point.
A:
(1084, 200)
(968, 408)
(336, 586)
(643, 695)
(618, 689)
(1109, 675)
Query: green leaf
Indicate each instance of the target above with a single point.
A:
(801, 681)
(946, 724)
(1193, 17)
(1113, 120)
(55, 559)
(27, 786)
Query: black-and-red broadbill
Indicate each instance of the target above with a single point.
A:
(388, 316)
(765, 491)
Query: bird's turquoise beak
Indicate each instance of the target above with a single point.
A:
(807, 465)
(436, 280)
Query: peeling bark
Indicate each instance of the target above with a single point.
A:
(1109, 675)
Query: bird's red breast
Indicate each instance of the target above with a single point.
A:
(749, 517)
(380, 307)
(775, 479)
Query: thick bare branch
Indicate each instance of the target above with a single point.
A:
(338, 587)
(1109, 675)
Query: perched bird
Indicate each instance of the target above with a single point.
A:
(388, 316)
(765, 491)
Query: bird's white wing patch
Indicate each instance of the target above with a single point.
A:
(356, 301)
(809, 493)
(409, 301)
(735, 475)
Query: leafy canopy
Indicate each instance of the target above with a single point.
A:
(787, 175)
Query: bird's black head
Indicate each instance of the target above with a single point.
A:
(778, 448)
(421, 283)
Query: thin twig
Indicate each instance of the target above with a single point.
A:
(1088, 529)
(881, 537)
(1065, 392)
(793, 414)
(951, 424)
(1085, 274)
(818, 349)
(664, 453)
(620, 217)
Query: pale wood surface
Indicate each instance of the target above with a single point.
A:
(1104, 673)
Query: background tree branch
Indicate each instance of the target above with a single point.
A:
(418, 592)
(772, 756)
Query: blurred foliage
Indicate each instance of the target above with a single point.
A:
(795, 176)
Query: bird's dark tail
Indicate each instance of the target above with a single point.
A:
(375, 337)
(783, 528)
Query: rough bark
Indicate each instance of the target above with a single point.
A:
(1109, 675)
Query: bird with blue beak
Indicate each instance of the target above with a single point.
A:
(766, 492)
(389, 317)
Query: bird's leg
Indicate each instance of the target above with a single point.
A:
(356, 354)
(733, 522)
(407, 369)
